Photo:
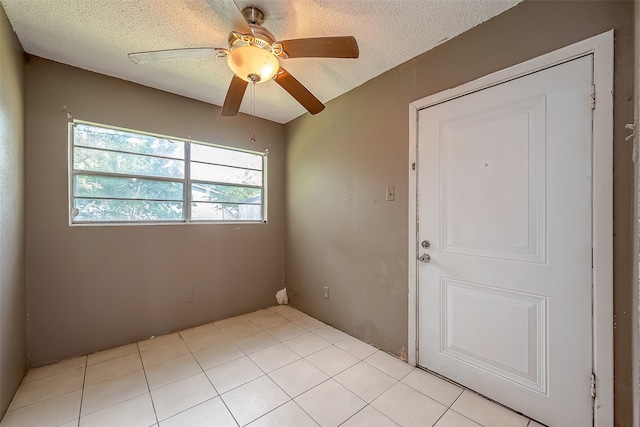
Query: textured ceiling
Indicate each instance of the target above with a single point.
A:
(96, 35)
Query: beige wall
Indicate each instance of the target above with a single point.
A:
(13, 316)
(95, 287)
(342, 233)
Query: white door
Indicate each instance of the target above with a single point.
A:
(504, 304)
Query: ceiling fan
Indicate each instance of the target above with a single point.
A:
(254, 55)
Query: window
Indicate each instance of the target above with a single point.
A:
(120, 176)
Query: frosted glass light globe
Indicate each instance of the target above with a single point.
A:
(246, 61)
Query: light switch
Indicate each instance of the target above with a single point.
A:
(391, 193)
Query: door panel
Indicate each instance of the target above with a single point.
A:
(519, 356)
(505, 200)
(508, 220)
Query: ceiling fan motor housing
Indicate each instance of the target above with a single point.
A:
(253, 15)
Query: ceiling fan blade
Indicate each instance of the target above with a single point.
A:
(234, 97)
(175, 54)
(322, 47)
(228, 11)
(298, 91)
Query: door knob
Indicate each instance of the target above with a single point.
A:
(424, 258)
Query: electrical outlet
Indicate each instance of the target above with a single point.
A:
(326, 292)
(188, 296)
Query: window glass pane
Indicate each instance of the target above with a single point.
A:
(131, 164)
(208, 154)
(112, 139)
(204, 172)
(225, 212)
(122, 176)
(225, 193)
(126, 210)
(126, 188)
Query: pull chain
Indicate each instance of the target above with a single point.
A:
(253, 111)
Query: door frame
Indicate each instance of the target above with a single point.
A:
(601, 47)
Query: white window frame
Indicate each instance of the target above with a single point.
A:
(186, 181)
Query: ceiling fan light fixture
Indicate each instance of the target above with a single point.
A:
(254, 56)
(247, 62)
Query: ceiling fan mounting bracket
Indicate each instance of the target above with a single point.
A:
(253, 15)
(260, 37)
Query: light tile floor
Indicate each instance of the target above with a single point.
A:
(274, 367)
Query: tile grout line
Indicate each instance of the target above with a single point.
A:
(292, 399)
(280, 406)
(214, 387)
(144, 371)
(375, 398)
(339, 383)
(39, 379)
(365, 407)
(266, 374)
(495, 402)
(450, 408)
(111, 378)
(132, 397)
(454, 400)
(387, 374)
(57, 396)
(39, 402)
(173, 382)
(84, 380)
(440, 417)
(473, 421)
(487, 399)
(437, 401)
(397, 381)
(198, 404)
(339, 372)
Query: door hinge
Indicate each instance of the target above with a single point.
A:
(593, 97)
(413, 166)
(593, 385)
